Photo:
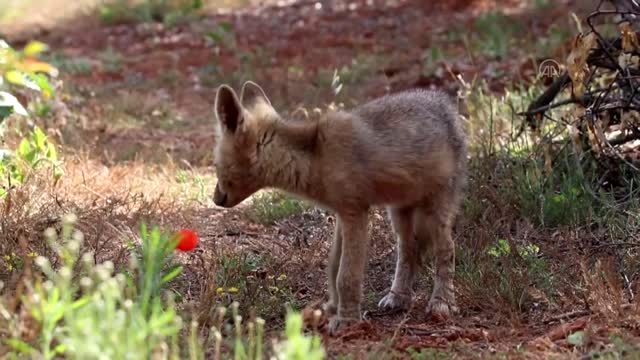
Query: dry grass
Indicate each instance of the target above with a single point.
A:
(110, 202)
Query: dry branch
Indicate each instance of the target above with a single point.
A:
(603, 79)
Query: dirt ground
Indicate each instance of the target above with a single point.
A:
(137, 107)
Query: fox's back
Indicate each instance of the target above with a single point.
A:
(411, 121)
(398, 146)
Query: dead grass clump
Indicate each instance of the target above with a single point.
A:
(110, 205)
(604, 292)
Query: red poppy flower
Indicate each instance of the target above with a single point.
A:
(188, 240)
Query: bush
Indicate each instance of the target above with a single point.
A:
(21, 70)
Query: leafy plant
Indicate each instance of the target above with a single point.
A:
(297, 346)
(496, 32)
(167, 11)
(98, 315)
(20, 70)
(269, 207)
(31, 152)
(239, 278)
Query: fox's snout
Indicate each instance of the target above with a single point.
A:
(219, 197)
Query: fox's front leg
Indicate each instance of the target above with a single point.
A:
(353, 259)
(331, 306)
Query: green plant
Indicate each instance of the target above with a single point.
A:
(296, 345)
(222, 34)
(170, 12)
(72, 65)
(499, 276)
(428, 354)
(269, 207)
(559, 198)
(111, 59)
(97, 313)
(193, 184)
(496, 31)
(431, 61)
(493, 119)
(31, 152)
(154, 266)
(534, 270)
(238, 278)
(22, 70)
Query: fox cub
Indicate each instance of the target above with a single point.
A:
(405, 151)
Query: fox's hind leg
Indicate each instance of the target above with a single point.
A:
(433, 226)
(399, 298)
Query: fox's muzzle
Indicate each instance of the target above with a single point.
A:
(219, 198)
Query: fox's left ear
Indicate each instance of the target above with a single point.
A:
(228, 109)
(251, 92)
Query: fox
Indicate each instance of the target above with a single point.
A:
(404, 151)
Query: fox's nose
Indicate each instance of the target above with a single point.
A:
(219, 198)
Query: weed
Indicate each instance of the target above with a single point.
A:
(554, 38)
(431, 61)
(169, 12)
(31, 152)
(493, 119)
(97, 315)
(222, 34)
(22, 70)
(428, 354)
(498, 276)
(242, 278)
(554, 200)
(297, 346)
(72, 65)
(362, 67)
(111, 59)
(542, 4)
(193, 185)
(496, 32)
(271, 206)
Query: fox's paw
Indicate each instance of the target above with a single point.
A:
(337, 323)
(329, 308)
(395, 302)
(441, 310)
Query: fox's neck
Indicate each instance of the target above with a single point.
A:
(288, 151)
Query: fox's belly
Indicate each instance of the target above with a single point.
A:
(394, 193)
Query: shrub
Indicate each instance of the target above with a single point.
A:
(269, 207)
(22, 70)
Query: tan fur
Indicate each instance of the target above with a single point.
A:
(405, 151)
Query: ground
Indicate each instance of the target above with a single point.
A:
(137, 110)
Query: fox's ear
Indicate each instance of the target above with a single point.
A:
(251, 92)
(228, 109)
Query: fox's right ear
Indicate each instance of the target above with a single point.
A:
(251, 92)
(228, 109)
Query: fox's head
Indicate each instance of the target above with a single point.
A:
(240, 124)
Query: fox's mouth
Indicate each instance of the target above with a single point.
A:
(219, 197)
